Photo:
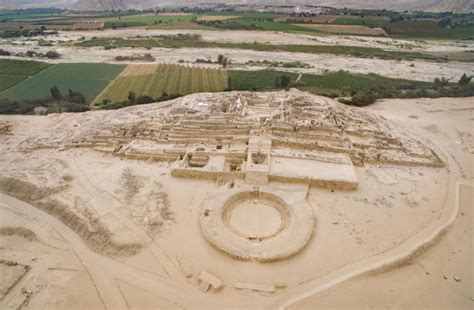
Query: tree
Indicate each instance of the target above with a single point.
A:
(219, 58)
(464, 80)
(282, 81)
(441, 82)
(285, 81)
(52, 55)
(55, 93)
(75, 97)
(132, 96)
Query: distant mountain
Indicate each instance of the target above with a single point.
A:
(401, 5)
(27, 4)
(103, 5)
(452, 5)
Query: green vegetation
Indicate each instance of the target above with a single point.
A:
(136, 57)
(194, 41)
(332, 84)
(364, 88)
(429, 29)
(14, 71)
(32, 54)
(145, 20)
(364, 21)
(445, 25)
(87, 79)
(250, 21)
(161, 80)
(257, 80)
(279, 64)
(55, 103)
(15, 33)
(20, 67)
(439, 88)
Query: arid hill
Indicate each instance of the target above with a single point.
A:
(103, 5)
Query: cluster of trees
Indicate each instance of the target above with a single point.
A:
(282, 64)
(134, 57)
(221, 60)
(56, 103)
(300, 21)
(228, 25)
(440, 88)
(133, 99)
(16, 33)
(32, 54)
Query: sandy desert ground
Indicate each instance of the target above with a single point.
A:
(107, 209)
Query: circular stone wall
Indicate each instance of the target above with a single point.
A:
(259, 226)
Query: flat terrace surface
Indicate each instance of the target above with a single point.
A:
(301, 169)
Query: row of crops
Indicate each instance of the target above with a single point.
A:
(13, 72)
(97, 82)
(167, 79)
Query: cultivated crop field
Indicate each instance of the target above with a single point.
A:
(155, 80)
(14, 71)
(88, 79)
(346, 29)
(429, 29)
(145, 19)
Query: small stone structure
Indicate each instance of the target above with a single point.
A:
(207, 280)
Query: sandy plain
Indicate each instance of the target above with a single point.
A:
(394, 213)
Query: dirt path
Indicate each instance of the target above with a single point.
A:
(105, 271)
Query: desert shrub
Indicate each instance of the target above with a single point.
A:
(440, 82)
(144, 99)
(282, 81)
(363, 98)
(464, 80)
(52, 55)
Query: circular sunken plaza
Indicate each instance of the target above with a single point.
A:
(262, 226)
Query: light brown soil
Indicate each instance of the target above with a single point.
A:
(393, 206)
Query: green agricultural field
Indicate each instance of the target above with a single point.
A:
(257, 80)
(14, 71)
(241, 14)
(428, 29)
(89, 79)
(145, 20)
(156, 80)
(363, 21)
(336, 83)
